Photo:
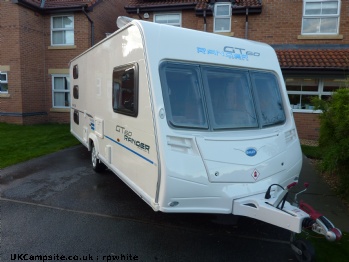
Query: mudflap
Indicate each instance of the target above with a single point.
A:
(269, 210)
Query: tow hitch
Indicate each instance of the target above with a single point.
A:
(316, 222)
(273, 208)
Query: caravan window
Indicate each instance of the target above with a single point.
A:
(268, 98)
(229, 98)
(125, 90)
(184, 100)
(218, 98)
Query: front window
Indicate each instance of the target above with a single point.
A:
(302, 90)
(321, 17)
(217, 98)
(60, 91)
(3, 82)
(268, 97)
(183, 95)
(62, 30)
(229, 97)
(222, 17)
(174, 19)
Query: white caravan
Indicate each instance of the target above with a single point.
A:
(191, 121)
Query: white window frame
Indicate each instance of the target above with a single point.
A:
(62, 29)
(56, 91)
(217, 16)
(179, 24)
(320, 92)
(4, 81)
(321, 16)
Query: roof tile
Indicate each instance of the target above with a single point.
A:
(319, 58)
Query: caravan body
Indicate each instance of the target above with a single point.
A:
(191, 121)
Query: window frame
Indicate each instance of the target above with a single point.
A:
(4, 82)
(319, 93)
(62, 29)
(179, 24)
(215, 16)
(320, 16)
(122, 111)
(65, 91)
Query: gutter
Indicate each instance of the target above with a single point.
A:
(314, 71)
(92, 26)
(44, 10)
(158, 8)
(246, 24)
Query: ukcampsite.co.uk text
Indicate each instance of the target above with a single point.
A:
(57, 257)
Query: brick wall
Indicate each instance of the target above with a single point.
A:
(32, 64)
(10, 56)
(308, 125)
(26, 48)
(105, 16)
(279, 23)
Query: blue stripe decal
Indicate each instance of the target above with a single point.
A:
(129, 149)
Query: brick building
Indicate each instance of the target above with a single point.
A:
(38, 38)
(311, 38)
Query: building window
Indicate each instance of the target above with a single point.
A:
(3, 82)
(60, 91)
(301, 91)
(174, 19)
(222, 17)
(320, 17)
(125, 90)
(62, 30)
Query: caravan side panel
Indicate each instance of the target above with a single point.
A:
(116, 111)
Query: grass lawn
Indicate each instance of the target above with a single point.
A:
(19, 143)
(313, 152)
(328, 251)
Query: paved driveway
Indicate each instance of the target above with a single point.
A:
(55, 207)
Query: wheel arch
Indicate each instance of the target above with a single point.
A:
(92, 139)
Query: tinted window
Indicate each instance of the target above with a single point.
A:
(125, 90)
(211, 97)
(184, 100)
(75, 72)
(229, 98)
(268, 98)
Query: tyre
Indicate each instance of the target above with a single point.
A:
(97, 165)
(308, 252)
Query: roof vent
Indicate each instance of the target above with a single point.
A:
(122, 21)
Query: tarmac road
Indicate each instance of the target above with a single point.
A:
(56, 208)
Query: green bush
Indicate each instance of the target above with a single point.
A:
(334, 136)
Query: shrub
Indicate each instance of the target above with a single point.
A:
(334, 136)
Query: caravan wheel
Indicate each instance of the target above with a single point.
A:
(307, 251)
(97, 165)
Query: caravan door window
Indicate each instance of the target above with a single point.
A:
(125, 90)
